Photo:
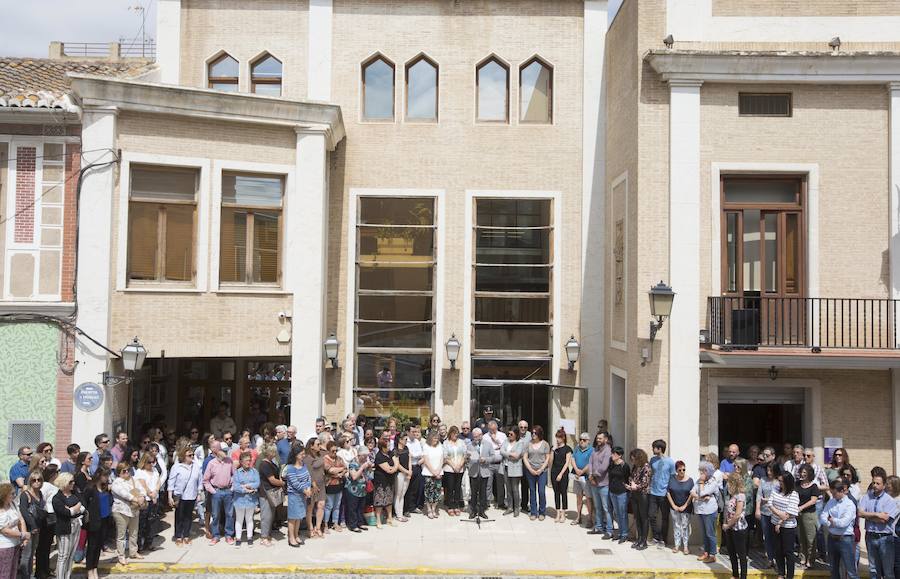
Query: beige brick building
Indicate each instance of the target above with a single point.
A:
(752, 167)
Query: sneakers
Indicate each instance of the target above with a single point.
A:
(237, 543)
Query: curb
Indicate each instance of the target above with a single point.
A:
(163, 569)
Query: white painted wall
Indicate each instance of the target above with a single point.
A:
(168, 40)
(94, 270)
(307, 249)
(684, 270)
(319, 51)
(591, 365)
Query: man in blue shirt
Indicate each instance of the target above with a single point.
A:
(68, 465)
(727, 465)
(101, 441)
(18, 473)
(662, 467)
(879, 511)
(838, 518)
(582, 457)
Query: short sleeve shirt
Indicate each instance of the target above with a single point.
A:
(731, 509)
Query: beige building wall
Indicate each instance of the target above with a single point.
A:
(201, 324)
(805, 8)
(245, 30)
(456, 154)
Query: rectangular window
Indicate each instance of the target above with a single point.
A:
(250, 232)
(513, 271)
(764, 105)
(162, 215)
(396, 255)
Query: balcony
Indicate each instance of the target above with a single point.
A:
(815, 324)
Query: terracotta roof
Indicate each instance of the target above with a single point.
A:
(42, 83)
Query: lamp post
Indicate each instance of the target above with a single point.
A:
(331, 349)
(661, 298)
(453, 346)
(573, 349)
(132, 356)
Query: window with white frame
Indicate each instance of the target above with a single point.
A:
(250, 230)
(395, 310)
(162, 215)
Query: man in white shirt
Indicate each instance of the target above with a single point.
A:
(793, 466)
(497, 485)
(415, 493)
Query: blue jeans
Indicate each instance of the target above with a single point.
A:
(332, 508)
(768, 532)
(881, 555)
(619, 504)
(709, 532)
(223, 499)
(841, 549)
(537, 493)
(602, 516)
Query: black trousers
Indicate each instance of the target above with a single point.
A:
(560, 490)
(411, 498)
(639, 510)
(42, 556)
(784, 551)
(184, 516)
(523, 489)
(659, 517)
(94, 545)
(354, 512)
(478, 498)
(453, 490)
(737, 552)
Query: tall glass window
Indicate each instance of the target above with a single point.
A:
(378, 89)
(492, 79)
(395, 240)
(265, 76)
(535, 92)
(223, 73)
(513, 273)
(422, 90)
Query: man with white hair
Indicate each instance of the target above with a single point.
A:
(524, 434)
(481, 456)
(282, 443)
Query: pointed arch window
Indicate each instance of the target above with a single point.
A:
(422, 89)
(265, 75)
(492, 81)
(378, 89)
(223, 73)
(536, 92)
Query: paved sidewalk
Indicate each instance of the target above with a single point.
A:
(423, 547)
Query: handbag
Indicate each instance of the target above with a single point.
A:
(78, 557)
(275, 497)
(370, 486)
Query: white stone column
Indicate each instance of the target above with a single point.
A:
(319, 50)
(305, 257)
(94, 269)
(592, 362)
(684, 271)
(894, 243)
(168, 40)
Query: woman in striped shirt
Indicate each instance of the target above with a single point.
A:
(299, 487)
(785, 506)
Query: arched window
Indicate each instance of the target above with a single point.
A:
(535, 92)
(223, 73)
(492, 79)
(422, 89)
(378, 89)
(265, 75)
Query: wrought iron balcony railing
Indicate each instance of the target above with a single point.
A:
(815, 323)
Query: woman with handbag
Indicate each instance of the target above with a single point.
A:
(98, 502)
(127, 504)
(335, 471)
(272, 492)
(245, 486)
(34, 511)
(13, 533)
(68, 510)
(184, 487)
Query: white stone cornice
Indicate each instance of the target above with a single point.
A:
(772, 67)
(686, 82)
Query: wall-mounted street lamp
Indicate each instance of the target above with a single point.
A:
(661, 298)
(453, 346)
(132, 356)
(331, 349)
(573, 350)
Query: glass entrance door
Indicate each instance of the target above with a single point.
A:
(512, 401)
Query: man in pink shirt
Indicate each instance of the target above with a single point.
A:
(217, 482)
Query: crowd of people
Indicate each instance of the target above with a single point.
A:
(244, 486)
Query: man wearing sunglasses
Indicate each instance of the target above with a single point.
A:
(18, 473)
